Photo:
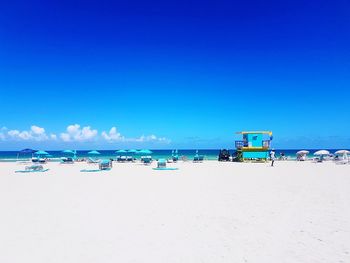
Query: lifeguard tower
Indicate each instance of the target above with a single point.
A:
(254, 146)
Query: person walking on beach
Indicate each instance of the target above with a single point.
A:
(272, 156)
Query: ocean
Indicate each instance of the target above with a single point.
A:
(210, 154)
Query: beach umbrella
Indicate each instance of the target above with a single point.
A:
(322, 152)
(29, 151)
(144, 151)
(342, 152)
(26, 151)
(69, 151)
(132, 151)
(302, 152)
(94, 153)
(41, 153)
(121, 151)
(74, 153)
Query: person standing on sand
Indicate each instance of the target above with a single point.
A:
(272, 156)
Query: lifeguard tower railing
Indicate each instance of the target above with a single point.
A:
(243, 144)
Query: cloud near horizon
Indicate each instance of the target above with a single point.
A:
(35, 133)
(74, 133)
(114, 136)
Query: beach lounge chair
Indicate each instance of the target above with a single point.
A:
(161, 163)
(146, 159)
(33, 168)
(342, 159)
(198, 158)
(92, 161)
(121, 159)
(301, 157)
(129, 158)
(67, 160)
(105, 165)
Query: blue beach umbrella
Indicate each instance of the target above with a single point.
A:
(144, 151)
(27, 151)
(41, 153)
(132, 151)
(74, 153)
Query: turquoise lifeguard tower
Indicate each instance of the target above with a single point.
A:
(254, 146)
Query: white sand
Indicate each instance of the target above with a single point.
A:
(207, 212)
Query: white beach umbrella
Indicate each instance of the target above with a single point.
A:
(322, 152)
(342, 152)
(302, 152)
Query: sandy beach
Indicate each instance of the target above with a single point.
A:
(205, 212)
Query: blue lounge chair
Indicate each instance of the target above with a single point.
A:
(175, 158)
(146, 159)
(129, 159)
(121, 159)
(105, 165)
(32, 169)
(92, 160)
(67, 160)
(161, 163)
(198, 158)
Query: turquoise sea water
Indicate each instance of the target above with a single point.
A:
(210, 154)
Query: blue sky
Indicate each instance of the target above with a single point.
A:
(172, 74)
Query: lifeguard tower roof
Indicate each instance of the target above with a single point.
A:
(255, 132)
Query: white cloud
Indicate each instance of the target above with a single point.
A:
(35, 133)
(37, 130)
(152, 138)
(19, 135)
(76, 133)
(114, 136)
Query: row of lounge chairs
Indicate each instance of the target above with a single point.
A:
(124, 159)
(39, 160)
